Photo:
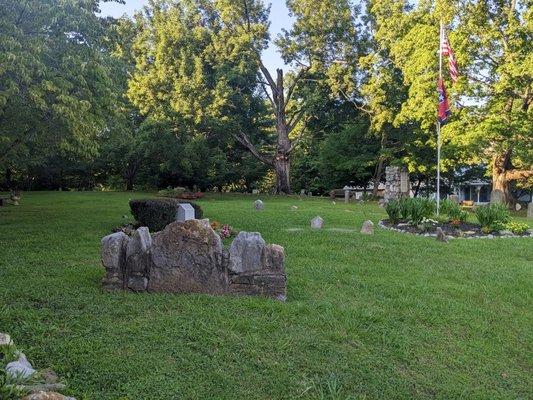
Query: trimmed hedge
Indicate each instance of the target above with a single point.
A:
(158, 213)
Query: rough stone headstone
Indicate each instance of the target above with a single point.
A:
(255, 191)
(259, 205)
(20, 368)
(245, 252)
(530, 210)
(187, 257)
(518, 206)
(302, 193)
(441, 236)
(185, 212)
(317, 223)
(5, 339)
(113, 258)
(497, 196)
(346, 196)
(138, 259)
(367, 228)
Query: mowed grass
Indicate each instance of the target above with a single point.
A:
(388, 316)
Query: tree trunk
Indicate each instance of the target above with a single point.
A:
(501, 163)
(282, 165)
(376, 179)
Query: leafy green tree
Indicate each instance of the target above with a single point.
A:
(492, 99)
(55, 90)
(495, 43)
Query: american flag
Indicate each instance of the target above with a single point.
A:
(452, 62)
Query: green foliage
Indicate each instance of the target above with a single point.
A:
(517, 227)
(404, 204)
(393, 210)
(453, 210)
(416, 209)
(172, 192)
(158, 213)
(420, 209)
(492, 217)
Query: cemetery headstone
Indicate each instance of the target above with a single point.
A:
(518, 206)
(185, 212)
(346, 196)
(259, 205)
(255, 191)
(317, 223)
(530, 210)
(368, 228)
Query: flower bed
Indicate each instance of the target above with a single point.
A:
(457, 230)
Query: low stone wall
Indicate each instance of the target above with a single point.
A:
(189, 257)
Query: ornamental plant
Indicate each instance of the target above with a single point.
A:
(393, 211)
(492, 217)
(518, 228)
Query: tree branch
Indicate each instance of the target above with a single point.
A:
(295, 83)
(244, 140)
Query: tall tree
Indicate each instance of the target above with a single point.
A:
(491, 120)
(495, 41)
(55, 89)
(323, 32)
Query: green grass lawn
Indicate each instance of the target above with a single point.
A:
(388, 316)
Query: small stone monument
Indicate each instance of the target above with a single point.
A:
(518, 206)
(346, 195)
(317, 223)
(397, 183)
(185, 212)
(530, 210)
(255, 191)
(259, 205)
(368, 228)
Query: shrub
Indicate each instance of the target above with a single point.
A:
(421, 208)
(404, 205)
(453, 211)
(393, 210)
(492, 217)
(158, 213)
(172, 192)
(518, 228)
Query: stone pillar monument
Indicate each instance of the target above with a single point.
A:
(397, 183)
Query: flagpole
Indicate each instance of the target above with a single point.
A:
(438, 122)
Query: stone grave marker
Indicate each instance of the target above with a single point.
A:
(259, 205)
(367, 228)
(317, 223)
(185, 212)
(530, 210)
